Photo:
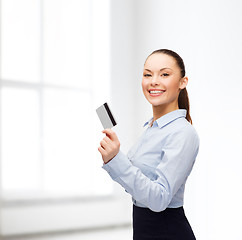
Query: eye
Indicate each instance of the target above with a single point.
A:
(165, 74)
(147, 75)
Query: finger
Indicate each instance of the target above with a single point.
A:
(101, 150)
(104, 145)
(107, 140)
(111, 134)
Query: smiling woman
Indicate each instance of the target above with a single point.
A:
(155, 170)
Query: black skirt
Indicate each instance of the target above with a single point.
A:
(170, 224)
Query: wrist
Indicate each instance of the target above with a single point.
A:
(105, 161)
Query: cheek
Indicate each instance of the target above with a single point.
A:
(173, 86)
(144, 85)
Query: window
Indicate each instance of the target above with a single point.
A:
(54, 73)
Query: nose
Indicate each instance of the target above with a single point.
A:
(154, 81)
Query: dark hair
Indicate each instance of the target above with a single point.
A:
(183, 99)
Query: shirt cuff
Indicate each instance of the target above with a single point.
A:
(117, 166)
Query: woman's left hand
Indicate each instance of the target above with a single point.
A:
(109, 146)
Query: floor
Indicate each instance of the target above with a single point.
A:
(112, 234)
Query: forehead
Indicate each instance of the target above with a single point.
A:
(158, 61)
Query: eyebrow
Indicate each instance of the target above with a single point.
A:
(160, 69)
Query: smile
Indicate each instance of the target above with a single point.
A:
(156, 92)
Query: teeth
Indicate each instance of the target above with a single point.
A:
(156, 91)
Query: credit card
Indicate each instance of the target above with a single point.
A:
(106, 117)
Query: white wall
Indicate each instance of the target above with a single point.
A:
(122, 70)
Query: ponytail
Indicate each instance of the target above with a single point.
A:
(183, 103)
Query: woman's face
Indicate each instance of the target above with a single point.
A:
(162, 80)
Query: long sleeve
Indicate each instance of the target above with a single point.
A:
(177, 157)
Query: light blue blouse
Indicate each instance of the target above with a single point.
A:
(156, 168)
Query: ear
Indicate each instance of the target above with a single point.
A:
(183, 83)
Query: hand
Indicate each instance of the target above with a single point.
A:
(109, 146)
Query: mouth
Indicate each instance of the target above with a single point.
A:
(156, 92)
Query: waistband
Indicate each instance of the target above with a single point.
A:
(145, 209)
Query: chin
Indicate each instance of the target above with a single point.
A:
(156, 104)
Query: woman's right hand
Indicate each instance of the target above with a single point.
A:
(109, 146)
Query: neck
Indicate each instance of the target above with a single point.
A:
(161, 110)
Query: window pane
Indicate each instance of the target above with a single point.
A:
(67, 42)
(64, 157)
(20, 39)
(67, 141)
(20, 139)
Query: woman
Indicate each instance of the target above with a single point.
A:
(156, 168)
